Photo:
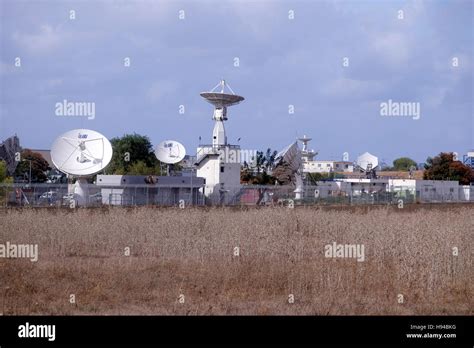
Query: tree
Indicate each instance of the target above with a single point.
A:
(262, 164)
(247, 177)
(403, 164)
(39, 166)
(444, 167)
(133, 154)
(264, 160)
(313, 178)
(140, 168)
(3, 171)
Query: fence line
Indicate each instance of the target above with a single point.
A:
(132, 195)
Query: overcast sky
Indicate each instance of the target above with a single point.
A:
(289, 53)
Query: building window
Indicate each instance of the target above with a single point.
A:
(222, 169)
(319, 165)
(328, 165)
(346, 166)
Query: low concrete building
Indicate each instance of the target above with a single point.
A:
(159, 190)
(427, 190)
(408, 189)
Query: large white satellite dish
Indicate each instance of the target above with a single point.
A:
(81, 152)
(170, 152)
(367, 161)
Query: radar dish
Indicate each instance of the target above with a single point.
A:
(305, 139)
(221, 100)
(81, 152)
(170, 151)
(367, 161)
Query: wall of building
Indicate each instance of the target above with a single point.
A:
(466, 193)
(222, 174)
(165, 190)
(421, 190)
(327, 166)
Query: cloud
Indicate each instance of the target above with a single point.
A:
(6, 68)
(44, 40)
(392, 47)
(345, 89)
(160, 89)
(256, 18)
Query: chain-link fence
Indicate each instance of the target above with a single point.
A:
(49, 195)
(283, 195)
(44, 195)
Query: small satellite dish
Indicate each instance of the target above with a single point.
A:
(367, 162)
(170, 151)
(81, 152)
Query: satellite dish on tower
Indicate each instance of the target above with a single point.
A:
(221, 100)
(170, 152)
(81, 153)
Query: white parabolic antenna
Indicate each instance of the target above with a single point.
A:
(81, 152)
(367, 161)
(170, 152)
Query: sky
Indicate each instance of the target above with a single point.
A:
(334, 63)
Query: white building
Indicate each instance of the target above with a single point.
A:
(419, 190)
(327, 166)
(221, 173)
(219, 163)
(314, 166)
(427, 190)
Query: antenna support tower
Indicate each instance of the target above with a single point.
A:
(221, 101)
(307, 155)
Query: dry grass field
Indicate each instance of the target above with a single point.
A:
(190, 252)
